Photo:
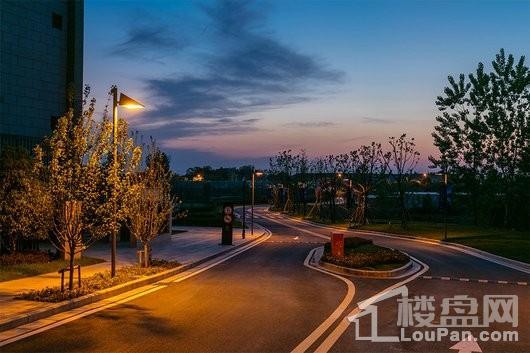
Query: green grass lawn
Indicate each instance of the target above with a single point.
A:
(8, 273)
(508, 243)
(503, 242)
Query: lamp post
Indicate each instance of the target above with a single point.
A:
(445, 206)
(244, 210)
(254, 175)
(128, 103)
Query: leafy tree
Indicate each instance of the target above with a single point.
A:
(403, 158)
(24, 204)
(483, 132)
(74, 165)
(149, 200)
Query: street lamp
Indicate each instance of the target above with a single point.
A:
(445, 205)
(128, 103)
(255, 173)
(244, 209)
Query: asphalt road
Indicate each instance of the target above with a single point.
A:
(266, 300)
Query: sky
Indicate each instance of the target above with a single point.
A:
(227, 83)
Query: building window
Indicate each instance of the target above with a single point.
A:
(54, 121)
(57, 21)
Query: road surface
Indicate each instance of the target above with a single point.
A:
(267, 300)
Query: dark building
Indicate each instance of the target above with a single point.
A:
(41, 59)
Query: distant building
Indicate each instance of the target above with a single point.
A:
(41, 58)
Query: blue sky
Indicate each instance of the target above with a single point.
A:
(233, 82)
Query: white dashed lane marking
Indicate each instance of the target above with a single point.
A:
(475, 280)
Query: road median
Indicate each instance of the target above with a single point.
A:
(504, 261)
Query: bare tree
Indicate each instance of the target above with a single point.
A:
(404, 159)
(370, 168)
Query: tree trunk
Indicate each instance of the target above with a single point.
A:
(132, 240)
(333, 193)
(507, 203)
(146, 254)
(365, 208)
(12, 244)
(403, 207)
(71, 276)
(474, 202)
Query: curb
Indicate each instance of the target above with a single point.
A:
(464, 248)
(316, 260)
(514, 264)
(56, 308)
(366, 273)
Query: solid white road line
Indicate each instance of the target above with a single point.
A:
(343, 325)
(463, 250)
(333, 337)
(297, 228)
(20, 333)
(335, 315)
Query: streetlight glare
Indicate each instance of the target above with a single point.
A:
(129, 103)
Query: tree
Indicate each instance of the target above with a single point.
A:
(301, 165)
(483, 133)
(507, 121)
(369, 168)
(24, 204)
(73, 165)
(333, 183)
(281, 167)
(149, 201)
(404, 159)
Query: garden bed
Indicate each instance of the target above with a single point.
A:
(362, 254)
(98, 282)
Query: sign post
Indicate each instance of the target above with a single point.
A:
(228, 220)
(337, 244)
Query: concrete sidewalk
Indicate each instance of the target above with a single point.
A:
(193, 245)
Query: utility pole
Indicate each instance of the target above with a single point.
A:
(252, 207)
(114, 92)
(244, 210)
(445, 206)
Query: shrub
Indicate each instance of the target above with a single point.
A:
(350, 243)
(366, 256)
(30, 257)
(98, 281)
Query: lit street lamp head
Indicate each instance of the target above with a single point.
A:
(129, 103)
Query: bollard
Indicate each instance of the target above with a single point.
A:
(337, 244)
